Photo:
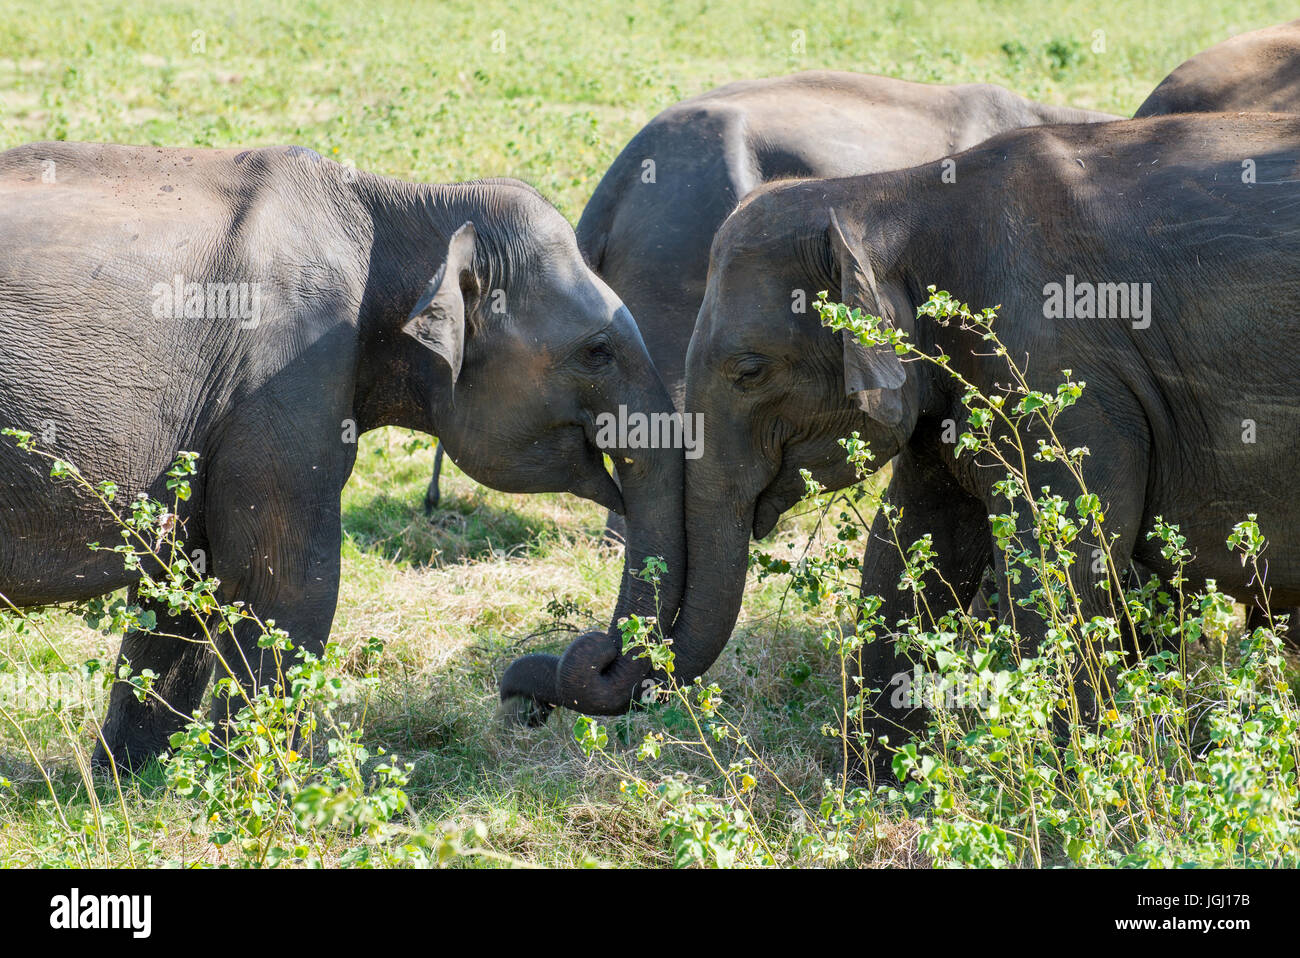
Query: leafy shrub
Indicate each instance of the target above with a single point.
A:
(1192, 761)
(286, 781)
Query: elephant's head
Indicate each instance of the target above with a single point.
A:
(525, 352)
(777, 390)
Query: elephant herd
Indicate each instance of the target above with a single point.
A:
(261, 307)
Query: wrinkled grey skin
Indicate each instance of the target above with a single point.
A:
(1258, 72)
(1158, 200)
(650, 240)
(353, 335)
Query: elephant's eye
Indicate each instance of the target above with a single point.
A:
(748, 374)
(596, 355)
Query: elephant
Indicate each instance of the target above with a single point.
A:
(1173, 372)
(1256, 72)
(261, 308)
(646, 229)
(433, 495)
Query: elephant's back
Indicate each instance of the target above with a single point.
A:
(1256, 72)
(144, 294)
(651, 221)
(828, 123)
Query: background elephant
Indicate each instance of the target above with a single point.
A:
(433, 495)
(112, 347)
(1166, 396)
(647, 228)
(1257, 71)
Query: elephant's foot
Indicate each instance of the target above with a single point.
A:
(135, 733)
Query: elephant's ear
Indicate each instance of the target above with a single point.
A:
(438, 320)
(873, 375)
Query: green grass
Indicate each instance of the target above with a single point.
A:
(418, 90)
(421, 93)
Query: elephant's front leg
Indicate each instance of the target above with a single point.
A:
(1023, 586)
(288, 577)
(137, 728)
(275, 529)
(926, 500)
(433, 495)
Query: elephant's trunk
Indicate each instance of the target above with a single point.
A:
(718, 531)
(594, 675)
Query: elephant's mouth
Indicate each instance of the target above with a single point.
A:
(781, 494)
(767, 512)
(787, 489)
(595, 482)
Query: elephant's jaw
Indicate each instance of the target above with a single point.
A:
(767, 512)
(600, 489)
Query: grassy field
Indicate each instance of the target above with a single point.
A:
(548, 92)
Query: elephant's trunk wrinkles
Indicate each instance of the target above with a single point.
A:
(718, 532)
(593, 675)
